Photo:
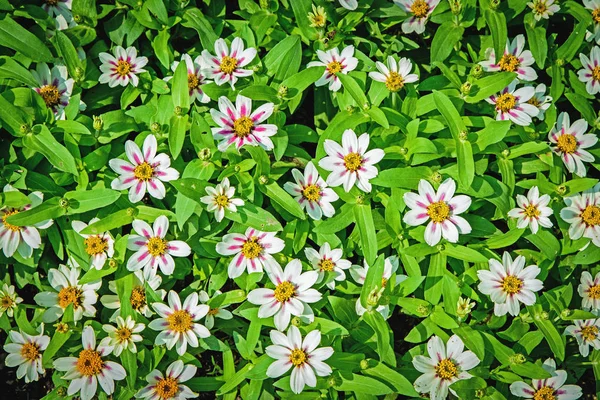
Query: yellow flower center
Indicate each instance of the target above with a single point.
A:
(505, 102)
(540, 7)
(334, 67)
(317, 20)
(243, 126)
(228, 64)
(70, 295)
(123, 68)
(298, 357)
(30, 352)
(326, 265)
(353, 161)
(221, 200)
(180, 321)
(596, 73)
(384, 282)
(123, 334)
(589, 333)
(193, 81)
(62, 327)
(567, 143)
(544, 393)
(51, 95)
(138, 298)
(438, 211)
(143, 171)
(8, 226)
(95, 245)
(534, 101)
(596, 15)
(532, 211)
(157, 246)
(251, 248)
(594, 292)
(446, 369)
(591, 215)
(509, 63)
(394, 81)
(312, 193)
(213, 311)
(166, 388)
(89, 363)
(420, 8)
(284, 291)
(511, 284)
(6, 301)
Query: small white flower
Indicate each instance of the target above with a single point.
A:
(178, 324)
(464, 306)
(240, 126)
(217, 312)
(395, 75)
(419, 11)
(291, 295)
(226, 66)
(443, 367)
(9, 300)
(145, 170)
(335, 63)
(589, 290)
(303, 355)
(441, 209)
(195, 77)
(25, 352)
(57, 8)
(514, 104)
(571, 142)
(590, 73)
(55, 87)
(583, 213)
(121, 68)
(169, 386)
(509, 284)
(543, 8)
(594, 7)
(89, 368)
(253, 250)
(137, 298)
(123, 336)
(349, 4)
(586, 334)
(311, 192)
(328, 260)
(532, 210)
(317, 17)
(351, 164)
(514, 59)
(98, 246)
(550, 388)
(540, 100)
(221, 198)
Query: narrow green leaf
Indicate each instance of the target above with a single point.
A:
(351, 86)
(180, 91)
(384, 338)
(497, 23)
(42, 141)
(281, 197)
(366, 228)
(446, 36)
(16, 37)
(177, 134)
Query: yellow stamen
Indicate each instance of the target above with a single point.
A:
(591, 215)
(567, 143)
(123, 68)
(213, 311)
(180, 321)
(438, 211)
(166, 388)
(334, 67)
(8, 226)
(505, 102)
(353, 161)
(243, 126)
(420, 8)
(138, 298)
(143, 171)
(532, 211)
(596, 73)
(534, 101)
(589, 333)
(446, 369)
(284, 291)
(6, 301)
(596, 15)
(30, 351)
(326, 265)
(51, 95)
(157, 246)
(221, 200)
(193, 81)
(298, 357)
(511, 284)
(70, 295)
(312, 193)
(394, 81)
(123, 334)
(89, 363)
(509, 63)
(544, 393)
(95, 245)
(594, 292)
(228, 64)
(251, 248)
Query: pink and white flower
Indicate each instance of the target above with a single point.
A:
(395, 75)
(549, 388)
(328, 260)
(540, 100)
(311, 192)
(122, 67)
(226, 66)
(419, 12)
(55, 87)
(590, 73)
(220, 198)
(515, 59)
(513, 104)
(543, 9)
(98, 246)
(9, 300)
(137, 298)
(335, 63)
(219, 311)
(25, 352)
(570, 142)
(123, 336)
(532, 210)
(594, 7)
(589, 290)
(195, 77)
(586, 334)
(169, 386)
(583, 213)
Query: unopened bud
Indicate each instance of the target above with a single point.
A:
(477, 71)
(98, 123)
(455, 6)
(403, 150)
(423, 310)
(494, 4)
(205, 154)
(465, 88)
(112, 263)
(178, 111)
(463, 136)
(364, 364)
(77, 18)
(506, 153)
(296, 321)
(79, 73)
(131, 212)
(24, 129)
(282, 91)
(360, 199)
(61, 327)
(566, 313)
(436, 177)
(517, 358)
(263, 179)
(561, 189)
(61, 391)
(560, 62)
(155, 128)
(350, 109)
(64, 203)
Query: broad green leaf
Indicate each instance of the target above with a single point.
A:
(47, 210)
(69, 54)
(496, 21)
(87, 200)
(351, 86)
(487, 86)
(283, 60)
(434, 280)
(181, 92)
(42, 141)
(10, 69)
(555, 340)
(406, 178)
(112, 221)
(392, 377)
(193, 18)
(446, 36)
(14, 36)
(384, 339)
(281, 197)
(373, 281)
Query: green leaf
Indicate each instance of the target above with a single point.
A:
(42, 141)
(363, 384)
(485, 87)
(464, 253)
(298, 83)
(47, 210)
(129, 362)
(351, 86)
(180, 91)
(406, 178)
(112, 221)
(384, 339)
(434, 281)
(373, 280)
(281, 197)
(193, 18)
(366, 228)
(472, 339)
(177, 134)
(69, 54)
(16, 37)
(392, 377)
(446, 36)
(86, 200)
(10, 69)
(12, 117)
(14, 199)
(538, 43)
(235, 380)
(283, 60)
(570, 48)
(254, 217)
(496, 21)
(555, 340)
(56, 343)
(94, 275)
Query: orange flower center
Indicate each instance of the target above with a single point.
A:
(511, 284)
(8, 226)
(30, 351)
(157, 246)
(123, 68)
(143, 171)
(509, 63)
(51, 95)
(394, 81)
(532, 211)
(420, 8)
(284, 291)
(70, 295)
(438, 211)
(544, 393)
(166, 388)
(89, 363)
(221, 200)
(298, 357)
(505, 102)
(326, 265)
(243, 126)
(567, 143)
(252, 249)
(95, 245)
(312, 193)
(138, 298)
(589, 333)
(180, 321)
(353, 161)
(228, 64)
(334, 67)
(591, 215)
(193, 81)
(446, 369)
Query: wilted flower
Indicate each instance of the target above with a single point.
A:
(318, 17)
(464, 307)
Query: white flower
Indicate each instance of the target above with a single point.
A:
(123, 336)
(89, 368)
(55, 87)
(327, 260)
(586, 334)
(25, 352)
(67, 290)
(508, 283)
(335, 63)
(55, 8)
(21, 238)
(169, 386)
(441, 209)
(240, 126)
(220, 198)
(571, 142)
(419, 11)
(443, 367)
(152, 250)
(550, 388)
(583, 213)
(395, 75)
(137, 298)
(98, 246)
(540, 100)
(177, 324)
(145, 170)
(589, 290)
(590, 73)
(349, 4)
(195, 77)
(543, 8)
(514, 104)
(514, 59)
(253, 250)
(121, 68)
(291, 295)
(303, 355)
(9, 300)
(594, 7)
(532, 210)
(226, 66)
(351, 163)
(311, 192)
(216, 312)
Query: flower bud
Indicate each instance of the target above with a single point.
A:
(463, 136)
(477, 71)
(465, 88)
(296, 321)
(282, 91)
(360, 199)
(178, 111)
(263, 179)
(561, 189)
(436, 177)
(64, 203)
(24, 129)
(517, 358)
(364, 364)
(565, 313)
(205, 154)
(98, 123)
(423, 310)
(62, 327)
(455, 7)
(494, 4)
(155, 128)
(403, 150)
(112, 263)
(61, 391)
(79, 73)
(506, 153)
(77, 18)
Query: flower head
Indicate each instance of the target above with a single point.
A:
(590, 73)
(570, 142)
(514, 59)
(395, 75)
(464, 306)
(9, 300)
(137, 298)
(55, 8)
(54, 88)
(583, 213)
(553, 388)
(419, 12)
(514, 105)
(98, 246)
(532, 210)
(169, 386)
(540, 100)
(318, 17)
(543, 9)
(594, 7)
(334, 63)
(226, 66)
(195, 77)
(589, 290)
(220, 198)
(311, 192)
(122, 67)
(124, 335)
(328, 260)
(586, 332)
(25, 351)
(349, 4)
(218, 311)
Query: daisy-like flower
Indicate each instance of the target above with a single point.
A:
(98, 246)
(152, 250)
(570, 142)
(137, 298)
(444, 366)
(543, 9)
(509, 284)
(240, 126)
(25, 352)
(589, 290)
(311, 192)
(304, 356)
(318, 17)
(292, 294)
(532, 210)
(67, 290)
(464, 306)
(351, 164)
(217, 312)
(21, 238)
(122, 67)
(441, 209)
(586, 334)
(335, 63)
(145, 170)
(540, 100)
(54, 8)
(594, 7)
(395, 75)
(512, 104)
(220, 198)
(550, 388)
(89, 368)
(226, 66)
(419, 11)
(9, 300)
(583, 213)
(55, 87)
(514, 59)
(169, 386)
(328, 260)
(195, 77)
(349, 4)
(590, 73)
(177, 324)
(123, 336)
(253, 250)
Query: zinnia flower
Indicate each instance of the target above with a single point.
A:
(335, 63)
(137, 298)
(395, 75)
(195, 77)
(216, 312)
(226, 66)
(221, 198)
(318, 17)
(550, 388)
(540, 100)
(54, 8)
(514, 104)
(532, 210)
(9, 300)
(121, 68)
(594, 7)
(123, 336)
(586, 334)
(419, 12)
(328, 260)
(583, 213)
(55, 87)
(590, 73)
(25, 351)
(169, 386)
(514, 59)
(99, 246)
(543, 9)
(570, 143)
(311, 192)
(589, 290)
